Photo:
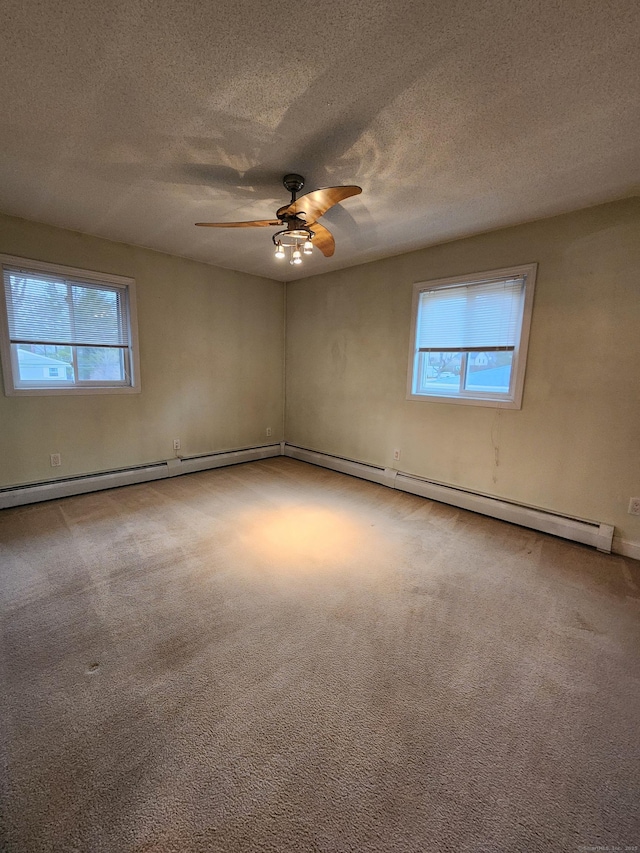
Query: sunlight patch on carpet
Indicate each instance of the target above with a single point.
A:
(299, 533)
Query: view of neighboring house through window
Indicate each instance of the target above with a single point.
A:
(66, 330)
(469, 337)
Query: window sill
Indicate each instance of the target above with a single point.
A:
(69, 392)
(490, 402)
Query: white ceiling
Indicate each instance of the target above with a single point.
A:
(133, 119)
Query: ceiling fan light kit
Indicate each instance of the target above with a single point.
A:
(293, 239)
(300, 218)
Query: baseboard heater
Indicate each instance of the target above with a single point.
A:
(592, 533)
(35, 492)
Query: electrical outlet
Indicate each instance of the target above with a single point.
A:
(55, 460)
(396, 455)
(634, 506)
(268, 431)
(176, 444)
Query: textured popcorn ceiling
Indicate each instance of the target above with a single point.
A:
(132, 120)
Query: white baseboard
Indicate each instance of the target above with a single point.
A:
(336, 463)
(595, 533)
(35, 492)
(626, 548)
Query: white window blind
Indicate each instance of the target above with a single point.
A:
(62, 311)
(473, 316)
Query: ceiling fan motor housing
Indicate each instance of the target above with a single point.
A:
(293, 183)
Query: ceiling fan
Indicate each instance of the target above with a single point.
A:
(302, 231)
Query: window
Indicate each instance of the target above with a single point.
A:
(469, 338)
(66, 331)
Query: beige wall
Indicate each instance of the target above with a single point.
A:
(211, 349)
(575, 445)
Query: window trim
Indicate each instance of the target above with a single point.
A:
(512, 400)
(128, 285)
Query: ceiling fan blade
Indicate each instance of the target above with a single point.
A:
(259, 222)
(323, 239)
(315, 203)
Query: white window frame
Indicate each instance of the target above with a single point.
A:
(9, 362)
(509, 400)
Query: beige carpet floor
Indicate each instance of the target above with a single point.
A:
(275, 657)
